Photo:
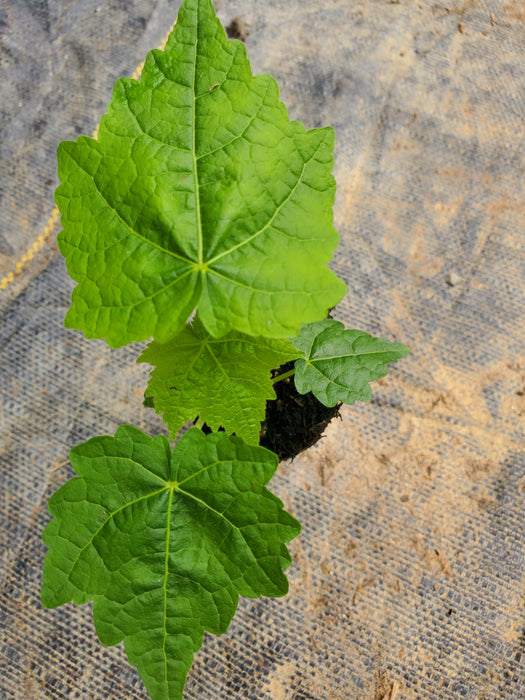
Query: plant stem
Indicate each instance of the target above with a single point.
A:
(284, 375)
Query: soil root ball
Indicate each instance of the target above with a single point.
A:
(294, 422)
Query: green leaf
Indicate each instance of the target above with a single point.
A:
(339, 363)
(165, 543)
(198, 193)
(226, 381)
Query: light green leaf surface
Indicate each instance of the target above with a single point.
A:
(198, 192)
(226, 381)
(339, 363)
(165, 543)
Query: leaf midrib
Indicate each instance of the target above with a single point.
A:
(354, 354)
(194, 153)
(329, 379)
(165, 587)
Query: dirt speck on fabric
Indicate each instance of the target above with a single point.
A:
(238, 29)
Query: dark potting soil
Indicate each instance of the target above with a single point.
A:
(294, 422)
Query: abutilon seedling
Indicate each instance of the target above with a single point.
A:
(199, 199)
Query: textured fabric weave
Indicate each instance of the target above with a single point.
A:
(408, 577)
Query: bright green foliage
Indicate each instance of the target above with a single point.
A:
(226, 381)
(199, 192)
(339, 363)
(165, 543)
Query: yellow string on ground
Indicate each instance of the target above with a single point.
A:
(53, 219)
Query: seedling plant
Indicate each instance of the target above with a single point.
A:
(200, 218)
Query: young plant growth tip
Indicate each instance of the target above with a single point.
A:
(174, 212)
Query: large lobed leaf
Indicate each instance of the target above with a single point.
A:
(165, 543)
(339, 363)
(226, 381)
(199, 192)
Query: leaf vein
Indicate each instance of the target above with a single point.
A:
(352, 354)
(82, 549)
(272, 219)
(255, 560)
(165, 587)
(243, 132)
(125, 223)
(194, 150)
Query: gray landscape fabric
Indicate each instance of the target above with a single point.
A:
(408, 577)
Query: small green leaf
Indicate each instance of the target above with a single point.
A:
(193, 197)
(339, 363)
(165, 543)
(226, 381)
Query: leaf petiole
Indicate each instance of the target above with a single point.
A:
(284, 375)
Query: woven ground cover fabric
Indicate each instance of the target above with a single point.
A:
(408, 577)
